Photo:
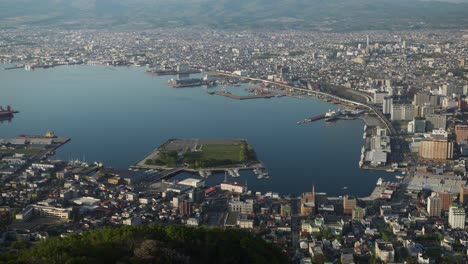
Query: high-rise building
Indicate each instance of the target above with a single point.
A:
(379, 97)
(349, 203)
(308, 203)
(446, 199)
(446, 90)
(435, 122)
(463, 194)
(457, 217)
(427, 110)
(387, 105)
(461, 133)
(433, 206)
(402, 112)
(185, 208)
(418, 125)
(436, 149)
(435, 100)
(422, 98)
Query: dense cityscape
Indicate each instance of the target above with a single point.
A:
(409, 87)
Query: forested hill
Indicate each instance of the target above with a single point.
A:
(338, 15)
(151, 244)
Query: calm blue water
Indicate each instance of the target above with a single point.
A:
(119, 115)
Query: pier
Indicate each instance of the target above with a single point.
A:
(171, 72)
(312, 119)
(241, 97)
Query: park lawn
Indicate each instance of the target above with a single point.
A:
(222, 152)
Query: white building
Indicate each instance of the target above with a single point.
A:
(457, 217)
(245, 223)
(376, 157)
(241, 207)
(44, 211)
(135, 220)
(241, 73)
(192, 182)
(192, 222)
(233, 187)
(385, 251)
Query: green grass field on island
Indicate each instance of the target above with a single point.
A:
(208, 155)
(222, 152)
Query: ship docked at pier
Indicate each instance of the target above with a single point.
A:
(333, 115)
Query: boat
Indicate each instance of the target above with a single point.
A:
(399, 177)
(344, 188)
(330, 113)
(379, 182)
(6, 112)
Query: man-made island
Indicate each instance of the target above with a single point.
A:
(201, 155)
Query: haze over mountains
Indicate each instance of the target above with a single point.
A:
(338, 15)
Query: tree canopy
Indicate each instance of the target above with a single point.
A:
(151, 244)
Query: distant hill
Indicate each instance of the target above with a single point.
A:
(151, 244)
(338, 15)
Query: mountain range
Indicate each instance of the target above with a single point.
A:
(336, 15)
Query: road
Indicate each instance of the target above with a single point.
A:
(390, 129)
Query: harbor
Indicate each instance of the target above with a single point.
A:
(269, 125)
